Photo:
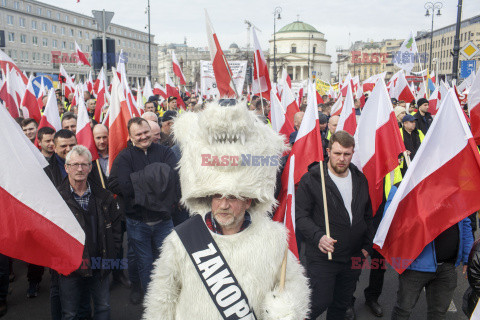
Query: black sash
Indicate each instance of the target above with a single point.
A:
(218, 279)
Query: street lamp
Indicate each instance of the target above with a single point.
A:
(432, 6)
(149, 44)
(276, 15)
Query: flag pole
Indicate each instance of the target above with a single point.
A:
(283, 270)
(230, 74)
(325, 208)
(255, 59)
(100, 173)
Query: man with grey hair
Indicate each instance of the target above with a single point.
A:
(98, 214)
(150, 116)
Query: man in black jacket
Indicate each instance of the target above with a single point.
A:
(333, 281)
(144, 176)
(98, 214)
(423, 118)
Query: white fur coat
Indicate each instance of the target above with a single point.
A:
(254, 255)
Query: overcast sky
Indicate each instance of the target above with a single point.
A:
(341, 21)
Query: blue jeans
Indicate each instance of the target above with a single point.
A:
(72, 292)
(146, 242)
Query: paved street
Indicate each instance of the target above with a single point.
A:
(39, 308)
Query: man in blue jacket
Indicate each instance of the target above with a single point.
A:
(434, 270)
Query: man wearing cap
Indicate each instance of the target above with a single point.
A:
(423, 118)
(166, 136)
(412, 138)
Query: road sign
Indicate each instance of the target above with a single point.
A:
(469, 50)
(98, 15)
(467, 67)
(36, 83)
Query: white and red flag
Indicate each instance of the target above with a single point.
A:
(369, 84)
(337, 107)
(101, 96)
(289, 103)
(159, 90)
(41, 93)
(421, 92)
(7, 62)
(474, 108)
(37, 225)
(289, 219)
(172, 91)
(147, 89)
(139, 101)
(118, 118)
(221, 69)
(434, 101)
(51, 117)
(82, 59)
(280, 123)
(177, 69)
(440, 188)
(377, 142)
(67, 81)
(89, 83)
(9, 96)
(348, 119)
(261, 84)
(401, 90)
(344, 85)
(84, 132)
(29, 103)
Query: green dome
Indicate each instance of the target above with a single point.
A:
(298, 26)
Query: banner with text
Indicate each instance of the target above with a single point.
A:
(207, 77)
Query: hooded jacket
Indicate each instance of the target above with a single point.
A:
(310, 218)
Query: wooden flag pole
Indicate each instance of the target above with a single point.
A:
(325, 208)
(100, 173)
(407, 158)
(283, 270)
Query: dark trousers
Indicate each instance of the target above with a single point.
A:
(378, 267)
(84, 311)
(35, 273)
(72, 291)
(439, 288)
(333, 285)
(4, 274)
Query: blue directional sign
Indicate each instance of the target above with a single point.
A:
(467, 67)
(36, 83)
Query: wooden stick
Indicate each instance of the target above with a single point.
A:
(100, 173)
(407, 158)
(283, 270)
(325, 208)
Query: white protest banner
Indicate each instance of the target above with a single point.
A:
(208, 85)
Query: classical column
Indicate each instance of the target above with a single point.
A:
(302, 77)
(294, 73)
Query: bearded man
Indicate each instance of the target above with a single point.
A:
(225, 261)
(333, 281)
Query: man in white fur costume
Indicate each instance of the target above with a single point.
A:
(227, 173)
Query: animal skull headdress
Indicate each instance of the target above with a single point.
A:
(227, 150)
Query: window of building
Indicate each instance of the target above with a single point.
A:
(9, 20)
(54, 28)
(16, 5)
(72, 32)
(58, 16)
(66, 18)
(54, 43)
(28, 8)
(39, 11)
(293, 49)
(62, 30)
(314, 48)
(64, 45)
(11, 36)
(4, 3)
(34, 25)
(82, 22)
(87, 36)
(49, 13)
(72, 46)
(80, 34)
(44, 27)
(75, 20)
(119, 41)
(23, 38)
(21, 22)
(35, 40)
(45, 42)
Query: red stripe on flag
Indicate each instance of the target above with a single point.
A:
(292, 241)
(427, 209)
(475, 122)
(26, 235)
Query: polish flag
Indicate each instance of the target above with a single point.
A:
(307, 149)
(177, 70)
(474, 108)
(261, 84)
(332, 94)
(101, 97)
(159, 90)
(348, 120)
(82, 59)
(343, 87)
(37, 225)
(139, 102)
(377, 142)
(221, 69)
(84, 130)
(9, 96)
(147, 89)
(89, 82)
(337, 107)
(434, 101)
(280, 123)
(285, 81)
(401, 90)
(440, 188)
(369, 84)
(69, 85)
(173, 92)
(421, 92)
(289, 219)
(300, 97)
(118, 118)
(289, 103)
(7, 63)
(29, 104)
(41, 93)
(51, 117)
(391, 84)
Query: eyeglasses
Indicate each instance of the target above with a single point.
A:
(79, 165)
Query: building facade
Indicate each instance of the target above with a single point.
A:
(367, 58)
(301, 50)
(442, 46)
(39, 37)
